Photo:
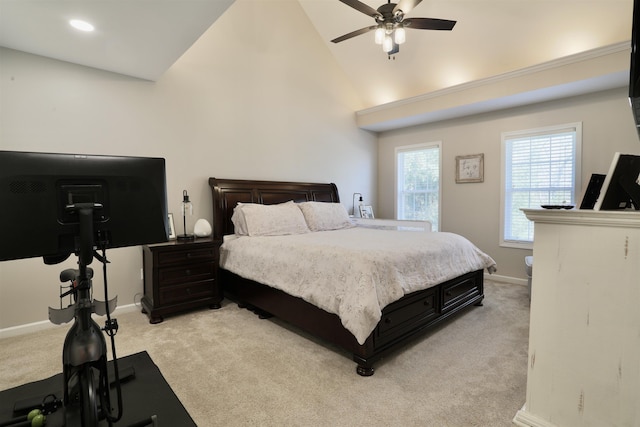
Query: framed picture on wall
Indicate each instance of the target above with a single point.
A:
(172, 228)
(470, 168)
(366, 211)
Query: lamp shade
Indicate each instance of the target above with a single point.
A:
(379, 34)
(400, 35)
(387, 44)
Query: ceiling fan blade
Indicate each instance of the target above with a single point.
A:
(354, 33)
(406, 5)
(361, 7)
(429, 24)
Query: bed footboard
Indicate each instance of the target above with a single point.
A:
(416, 313)
(401, 321)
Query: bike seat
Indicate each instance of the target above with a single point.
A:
(71, 274)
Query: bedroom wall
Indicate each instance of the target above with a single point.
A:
(473, 210)
(271, 105)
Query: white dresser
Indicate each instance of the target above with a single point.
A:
(584, 339)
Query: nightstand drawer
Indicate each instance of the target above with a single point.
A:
(179, 257)
(186, 292)
(186, 273)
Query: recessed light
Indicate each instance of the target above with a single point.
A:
(81, 25)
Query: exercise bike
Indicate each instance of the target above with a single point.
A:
(87, 397)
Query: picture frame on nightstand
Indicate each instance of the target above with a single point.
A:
(172, 227)
(366, 211)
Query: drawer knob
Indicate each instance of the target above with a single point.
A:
(426, 303)
(387, 320)
(187, 272)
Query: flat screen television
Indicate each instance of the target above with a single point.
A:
(621, 187)
(36, 190)
(634, 78)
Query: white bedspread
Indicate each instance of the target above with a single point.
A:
(355, 272)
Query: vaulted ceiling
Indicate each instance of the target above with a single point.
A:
(490, 37)
(142, 38)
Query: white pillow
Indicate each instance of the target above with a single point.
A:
(239, 224)
(322, 216)
(271, 220)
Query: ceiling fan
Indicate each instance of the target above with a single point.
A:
(391, 23)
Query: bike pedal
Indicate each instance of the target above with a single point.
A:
(111, 325)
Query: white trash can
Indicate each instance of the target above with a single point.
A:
(528, 263)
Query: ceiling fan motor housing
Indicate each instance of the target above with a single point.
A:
(388, 15)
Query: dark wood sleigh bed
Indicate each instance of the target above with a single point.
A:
(401, 321)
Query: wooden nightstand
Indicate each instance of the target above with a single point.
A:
(180, 276)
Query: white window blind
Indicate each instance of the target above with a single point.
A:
(540, 167)
(418, 183)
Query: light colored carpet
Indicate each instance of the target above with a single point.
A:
(230, 368)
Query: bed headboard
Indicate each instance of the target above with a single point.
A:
(226, 193)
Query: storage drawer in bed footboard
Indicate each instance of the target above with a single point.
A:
(460, 292)
(405, 315)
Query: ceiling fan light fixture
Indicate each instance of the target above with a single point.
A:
(400, 35)
(390, 23)
(387, 44)
(379, 35)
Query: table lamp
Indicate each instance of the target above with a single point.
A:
(187, 209)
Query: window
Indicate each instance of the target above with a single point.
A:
(418, 183)
(539, 167)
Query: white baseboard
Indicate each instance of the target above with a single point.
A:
(525, 419)
(45, 324)
(505, 279)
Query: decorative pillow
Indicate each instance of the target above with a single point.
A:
(322, 216)
(271, 220)
(239, 224)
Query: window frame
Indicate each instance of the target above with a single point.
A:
(418, 147)
(577, 188)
